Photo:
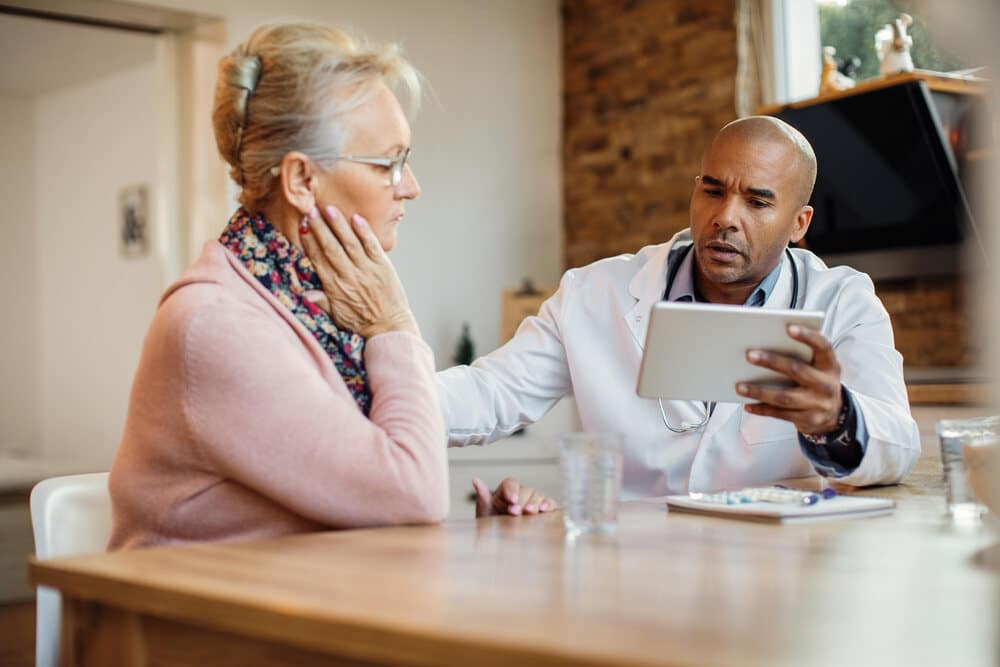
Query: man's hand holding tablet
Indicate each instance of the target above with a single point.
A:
(775, 361)
(815, 403)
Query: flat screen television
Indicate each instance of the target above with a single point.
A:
(888, 200)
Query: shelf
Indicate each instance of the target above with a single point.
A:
(935, 81)
(977, 155)
(967, 393)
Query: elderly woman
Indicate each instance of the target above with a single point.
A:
(255, 413)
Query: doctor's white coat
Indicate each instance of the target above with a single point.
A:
(587, 340)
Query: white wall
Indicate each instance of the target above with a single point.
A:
(486, 151)
(19, 363)
(93, 139)
(486, 146)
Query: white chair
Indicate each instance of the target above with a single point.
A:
(69, 515)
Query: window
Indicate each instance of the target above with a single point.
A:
(797, 50)
(850, 26)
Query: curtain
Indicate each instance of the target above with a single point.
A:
(778, 52)
(755, 52)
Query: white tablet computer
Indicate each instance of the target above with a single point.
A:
(698, 351)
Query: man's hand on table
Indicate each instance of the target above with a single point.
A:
(510, 497)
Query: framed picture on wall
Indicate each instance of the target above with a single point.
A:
(133, 207)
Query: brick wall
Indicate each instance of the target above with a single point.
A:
(930, 321)
(646, 84)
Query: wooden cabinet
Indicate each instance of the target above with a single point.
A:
(886, 204)
(517, 305)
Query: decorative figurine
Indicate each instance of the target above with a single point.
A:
(832, 80)
(892, 45)
(849, 67)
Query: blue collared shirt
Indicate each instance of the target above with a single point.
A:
(683, 289)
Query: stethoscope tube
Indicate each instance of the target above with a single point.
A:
(671, 275)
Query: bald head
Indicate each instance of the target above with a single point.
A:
(767, 129)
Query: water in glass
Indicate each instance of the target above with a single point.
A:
(592, 473)
(954, 434)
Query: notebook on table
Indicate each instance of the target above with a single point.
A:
(838, 507)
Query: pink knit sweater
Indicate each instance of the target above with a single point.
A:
(239, 426)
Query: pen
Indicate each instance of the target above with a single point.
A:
(777, 494)
(765, 494)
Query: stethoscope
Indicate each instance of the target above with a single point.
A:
(674, 266)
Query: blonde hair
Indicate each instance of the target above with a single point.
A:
(283, 90)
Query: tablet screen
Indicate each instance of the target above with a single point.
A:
(697, 352)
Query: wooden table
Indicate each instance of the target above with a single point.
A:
(667, 589)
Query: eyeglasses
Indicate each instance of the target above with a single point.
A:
(393, 164)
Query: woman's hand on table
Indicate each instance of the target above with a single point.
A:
(363, 293)
(510, 497)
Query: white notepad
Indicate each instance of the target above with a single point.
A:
(839, 507)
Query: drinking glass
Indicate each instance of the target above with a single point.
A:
(955, 434)
(592, 476)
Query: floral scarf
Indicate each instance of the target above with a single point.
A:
(284, 270)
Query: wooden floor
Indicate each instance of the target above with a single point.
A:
(17, 634)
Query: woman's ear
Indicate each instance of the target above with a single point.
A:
(296, 175)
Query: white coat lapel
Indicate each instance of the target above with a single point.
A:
(781, 296)
(647, 287)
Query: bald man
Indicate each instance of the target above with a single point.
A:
(846, 417)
